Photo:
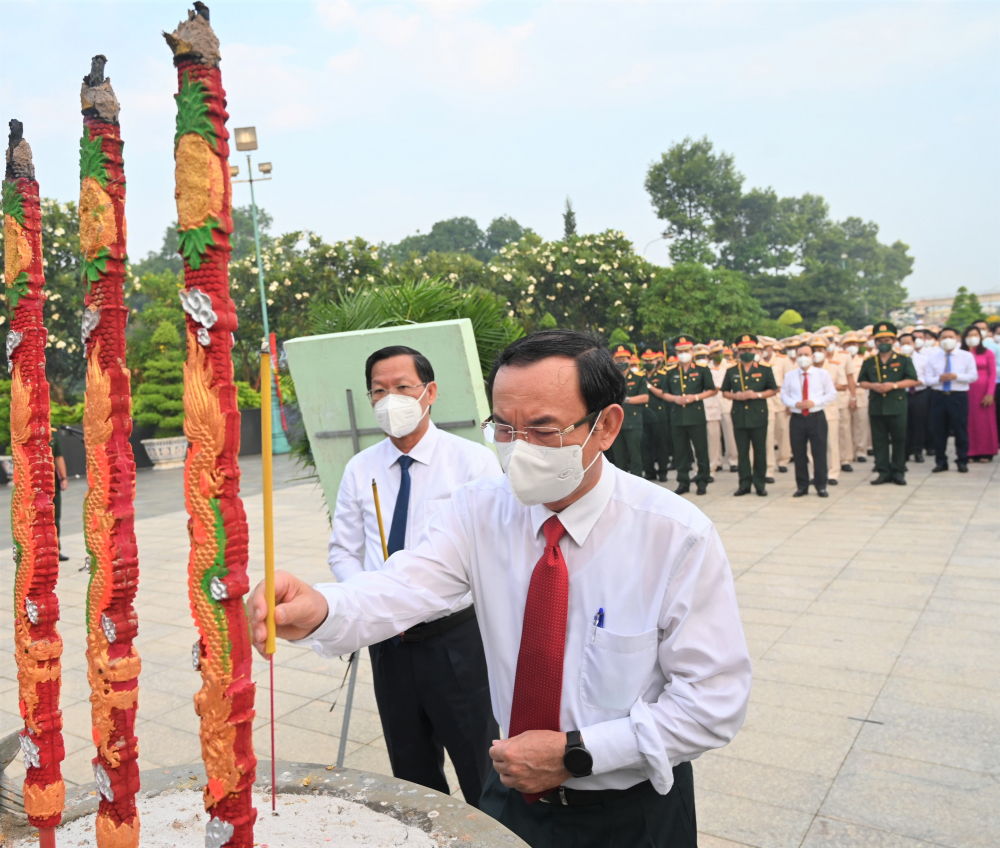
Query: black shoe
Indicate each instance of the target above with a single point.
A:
(711, 479)
(939, 467)
(962, 466)
(860, 459)
(63, 557)
(768, 479)
(882, 478)
(823, 493)
(702, 488)
(683, 488)
(918, 457)
(762, 493)
(783, 469)
(831, 483)
(871, 452)
(662, 477)
(649, 475)
(899, 479)
(733, 469)
(742, 490)
(929, 451)
(800, 492)
(846, 467)
(671, 467)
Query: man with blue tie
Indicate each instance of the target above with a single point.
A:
(431, 683)
(949, 372)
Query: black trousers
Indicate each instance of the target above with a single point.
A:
(804, 432)
(684, 435)
(889, 432)
(641, 818)
(435, 695)
(755, 437)
(627, 451)
(655, 446)
(918, 414)
(950, 412)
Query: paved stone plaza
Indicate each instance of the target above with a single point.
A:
(873, 620)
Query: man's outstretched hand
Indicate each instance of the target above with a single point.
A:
(299, 609)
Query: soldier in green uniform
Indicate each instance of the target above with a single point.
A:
(748, 385)
(887, 375)
(656, 431)
(627, 447)
(687, 386)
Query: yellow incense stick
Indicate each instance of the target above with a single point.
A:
(265, 446)
(381, 527)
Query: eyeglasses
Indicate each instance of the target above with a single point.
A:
(376, 395)
(548, 437)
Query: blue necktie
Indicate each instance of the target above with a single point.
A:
(946, 385)
(397, 532)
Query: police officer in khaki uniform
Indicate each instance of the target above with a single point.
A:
(781, 364)
(627, 447)
(718, 365)
(887, 375)
(838, 373)
(769, 359)
(687, 386)
(861, 432)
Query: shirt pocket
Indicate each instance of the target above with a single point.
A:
(616, 668)
(428, 509)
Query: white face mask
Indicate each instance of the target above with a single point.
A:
(870, 343)
(539, 475)
(918, 343)
(756, 357)
(399, 415)
(949, 344)
(804, 361)
(906, 350)
(996, 338)
(701, 362)
(972, 341)
(852, 350)
(818, 357)
(684, 357)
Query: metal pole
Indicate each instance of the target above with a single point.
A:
(260, 259)
(347, 709)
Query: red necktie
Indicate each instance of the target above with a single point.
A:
(805, 390)
(538, 681)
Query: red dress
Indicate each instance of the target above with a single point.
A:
(983, 421)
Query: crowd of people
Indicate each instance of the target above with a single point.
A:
(820, 403)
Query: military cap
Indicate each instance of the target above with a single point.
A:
(766, 341)
(747, 340)
(819, 340)
(622, 352)
(884, 328)
(701, 348)
(715, 346)
(684, 342)
(649, 354)
(634, 359)
(778, 345)
(829, 330)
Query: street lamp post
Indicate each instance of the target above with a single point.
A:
(246, 140)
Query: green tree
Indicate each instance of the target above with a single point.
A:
(709, 303)
(151, 300)
(697, 192)
(5, 417)
(965, 309)
(501, 232)
(159, 398)
(569, 221)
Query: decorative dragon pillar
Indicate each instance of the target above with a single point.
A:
(108, 513)
(217, 571)
(37, 643)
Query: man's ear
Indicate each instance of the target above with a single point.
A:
(432, 392)
(607, 429)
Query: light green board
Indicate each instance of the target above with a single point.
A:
(325, 367)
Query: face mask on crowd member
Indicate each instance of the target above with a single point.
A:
(885, 347)
(870, 343)
(399, 415)
(852, 349)
(805, 358)
(684, 357)
(701, 361)
(748, 356)
(972, 341)
(949, 343)
(623, 365)
(819, 356)
(394, 389)
(918, 342)
(717, 358)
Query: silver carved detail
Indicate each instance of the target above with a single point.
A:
(14, 338)
(204, 339)
(218, 833)
(91, 318)
(88, 562)
(103, 783)
(218, 589)
(198, 305)
(196, 655)
(31, 608)
(30, 751)
(14, 549)
(108, 626)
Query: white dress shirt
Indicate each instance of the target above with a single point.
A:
(713, 404)
(822, 392)
(919, 359)
(963, 366)
(442, 463)
(666, 678)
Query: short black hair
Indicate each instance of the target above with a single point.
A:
(904, 335)
(424, 369)
(601, 383)
(994, 326)
(951, 329)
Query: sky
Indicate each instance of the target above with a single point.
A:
(381, 118)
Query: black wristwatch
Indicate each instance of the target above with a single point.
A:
(577, 758)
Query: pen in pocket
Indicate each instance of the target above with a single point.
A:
(599, 618)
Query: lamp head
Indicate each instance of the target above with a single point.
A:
(246, 138)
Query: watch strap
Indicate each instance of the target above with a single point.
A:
(573, 739)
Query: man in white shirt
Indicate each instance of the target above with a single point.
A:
(918, 398)
(431, 682)
(607, 607)
(806, 392)
(949, 371)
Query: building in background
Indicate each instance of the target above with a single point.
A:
(935, 310)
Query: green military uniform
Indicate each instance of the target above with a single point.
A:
(656, 434)
(887, 412)
(687, 423)
(750, 420)
(627, 447)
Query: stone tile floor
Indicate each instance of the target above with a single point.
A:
(873, 618)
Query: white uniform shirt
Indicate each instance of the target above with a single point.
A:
(963, 366)
(822, 392)
(666, 678)
(919, 359)
(713, 404)
(442, 463)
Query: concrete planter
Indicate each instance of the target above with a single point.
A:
(166, 453)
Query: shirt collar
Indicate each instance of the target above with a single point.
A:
(580, 516)
(422, 450)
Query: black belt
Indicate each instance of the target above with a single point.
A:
(567, 797)
(441, 625)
